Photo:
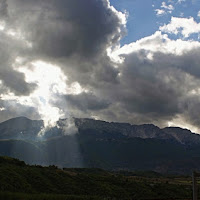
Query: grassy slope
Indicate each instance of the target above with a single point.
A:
(21, 181)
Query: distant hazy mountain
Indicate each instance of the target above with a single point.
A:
(102, 144)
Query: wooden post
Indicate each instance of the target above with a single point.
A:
(194, 184)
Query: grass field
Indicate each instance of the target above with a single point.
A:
(21, 181)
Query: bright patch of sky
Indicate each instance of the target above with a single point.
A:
(146, 17)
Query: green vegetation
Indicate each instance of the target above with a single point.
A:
(21, 181)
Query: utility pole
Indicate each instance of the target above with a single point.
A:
(194, 184)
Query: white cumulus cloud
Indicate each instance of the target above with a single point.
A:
(198, 14)
(164, 9)
(160, 12)
(167, 7)
(181, 1)
(185, 26)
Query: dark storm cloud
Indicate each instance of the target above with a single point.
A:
(160, 88)
(12, 79)
(10, 109)
(72, 34)
(99, 73)
(3, 8)
(187, 62)
(191, 109)
(153, 90)
(75, 36)
(59, 28)
(87, 101)
(15, 82)
(143, 88)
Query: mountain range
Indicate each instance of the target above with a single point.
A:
(100, 144)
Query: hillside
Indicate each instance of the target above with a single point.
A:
(21, 181)
(99, 144)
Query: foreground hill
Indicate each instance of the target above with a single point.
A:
(21, 181)
(99, 144)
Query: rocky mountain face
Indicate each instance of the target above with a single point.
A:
(25, 129)
(20, 128)
(145, 131)
(113, 146)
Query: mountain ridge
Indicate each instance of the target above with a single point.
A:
(130, 130)
(100, 144)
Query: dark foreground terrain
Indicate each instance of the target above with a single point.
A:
(21, 181)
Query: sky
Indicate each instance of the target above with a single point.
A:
(132, 61)
(145, 17)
